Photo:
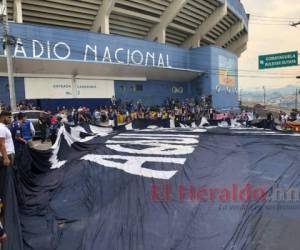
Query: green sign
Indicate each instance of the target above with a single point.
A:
(278, 60)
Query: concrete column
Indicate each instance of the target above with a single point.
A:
(204, 28)
(234, 30)
(18, 16)
(238, 45)
(167, 17)
(161, 38)
(105, 24)
(102, 17)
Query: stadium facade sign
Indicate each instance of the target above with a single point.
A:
(63, 51)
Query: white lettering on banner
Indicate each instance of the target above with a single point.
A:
(157, 144)
(116, 56)
(34, 43)
(94, 50)
(66, 46)
(156, 149)
(147, 143)
(20, 48)
(187, 141)
(133, 164)
(135, 135)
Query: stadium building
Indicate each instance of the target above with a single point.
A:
(72, 53)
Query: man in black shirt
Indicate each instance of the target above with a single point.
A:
(43, 126)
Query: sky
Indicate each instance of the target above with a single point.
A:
(267, 37)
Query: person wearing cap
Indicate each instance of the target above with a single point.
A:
(7, 152)
(54, 128)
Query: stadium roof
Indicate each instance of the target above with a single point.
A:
(184, 23)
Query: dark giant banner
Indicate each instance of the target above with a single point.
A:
(157, 189)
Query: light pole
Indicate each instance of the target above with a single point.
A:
(296, 97)
(296, 100)
(241, 91)
(264, 89)
(280, 100)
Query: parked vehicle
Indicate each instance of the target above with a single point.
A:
(33, 116)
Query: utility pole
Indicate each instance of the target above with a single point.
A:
(7, 45)
(264, 89)
(296, 100)
(296, 97)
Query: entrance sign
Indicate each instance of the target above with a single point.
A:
(56, 88)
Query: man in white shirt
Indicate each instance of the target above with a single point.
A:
(7, 149)
(298, 117)
(97, 116)
(7, 152)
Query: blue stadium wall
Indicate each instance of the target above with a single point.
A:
(210, 59)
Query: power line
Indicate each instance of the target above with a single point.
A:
(272, 20)
(273, 17)
(270, 24)
(269, 21)
(254, 76)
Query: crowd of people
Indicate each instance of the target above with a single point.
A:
(21, 106)
(123, 112)
(294, 116)
(49, 122)
(188, 111)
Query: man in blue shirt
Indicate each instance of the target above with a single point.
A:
(24, 129)
(17, 133)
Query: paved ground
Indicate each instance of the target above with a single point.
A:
(41, 146)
